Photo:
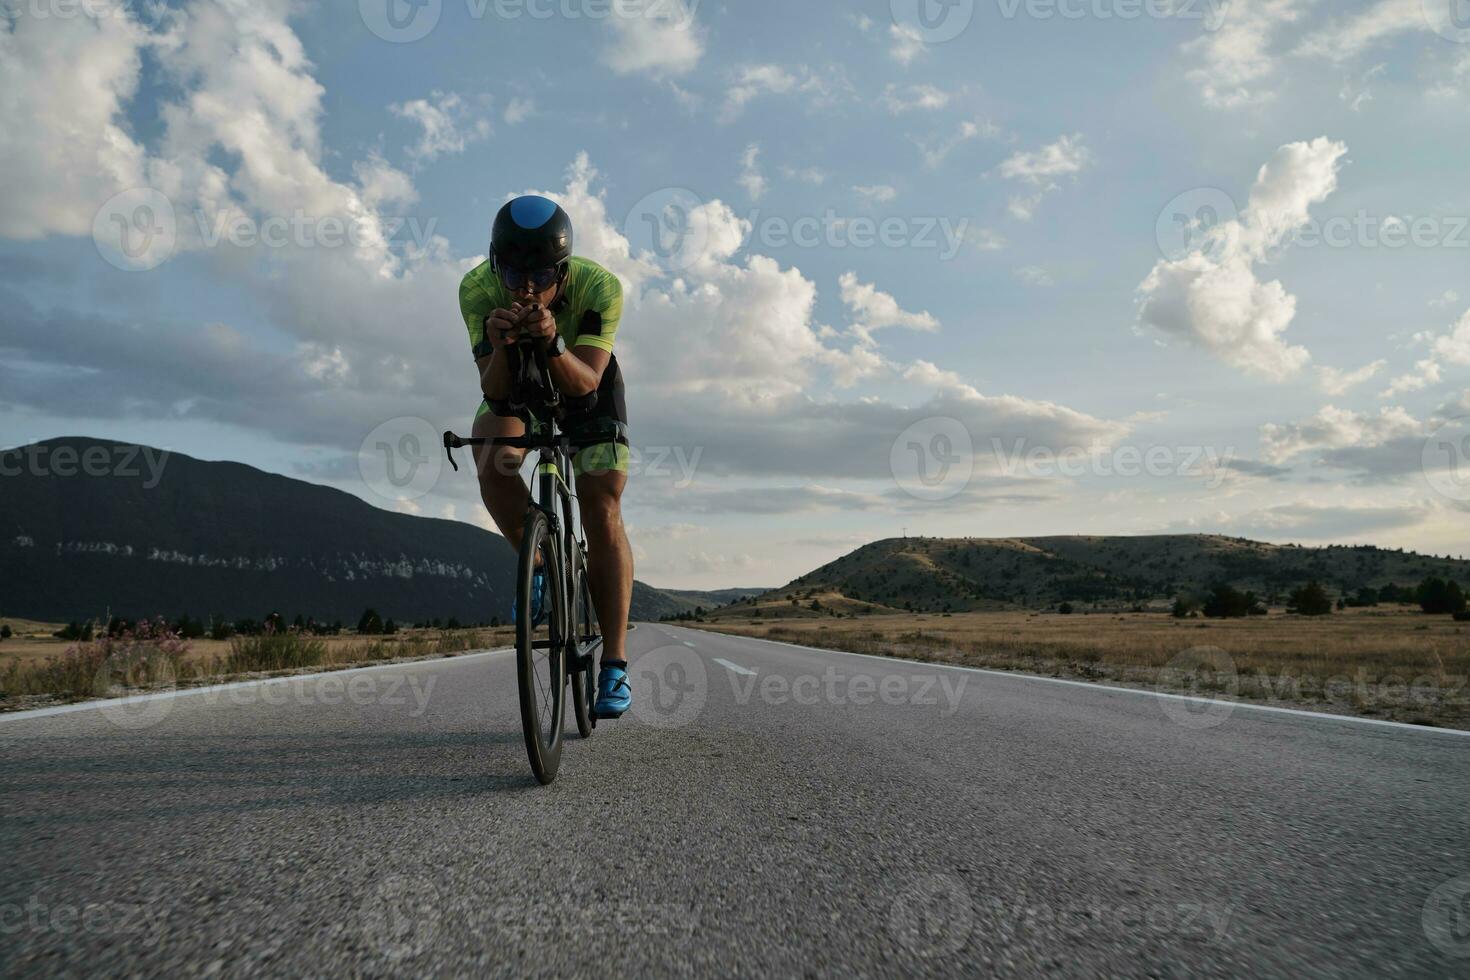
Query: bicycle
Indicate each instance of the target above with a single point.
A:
(555, 544)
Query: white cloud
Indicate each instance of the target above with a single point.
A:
(1236, 63)
(1034, 275)
(518, 110)
(727, 352)
(1041, 168)
(1334, 429)
(1455, 83)
(752, 81)
(1349, 37)
(446, 125)
(873, 309)
(876, 193)
(907, 44)
(63, 85)
(1064, 158)
(914, 98)
(987, 239)
(936, 153)
(807, 175)
(658, 38)
(750, 174)
(1212, 297)
(382, 184)
(1336, 383)
(1358, 93)
(1451, 348)
(1454, 347)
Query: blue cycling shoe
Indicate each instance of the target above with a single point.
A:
(538, 601)
(614, 695)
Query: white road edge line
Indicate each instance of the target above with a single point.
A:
(66, 709)
(1017, 675)
(734, 667)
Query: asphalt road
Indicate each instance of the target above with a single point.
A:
(767, 810)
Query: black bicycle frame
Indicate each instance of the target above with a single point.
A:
(541, 408)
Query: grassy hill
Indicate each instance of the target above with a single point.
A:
(223, 538)
(977, 574)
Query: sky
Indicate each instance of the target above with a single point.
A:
(944, 267)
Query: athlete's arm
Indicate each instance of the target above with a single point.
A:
(575, 374)
(495, 379)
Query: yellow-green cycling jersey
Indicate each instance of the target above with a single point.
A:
(587, 313)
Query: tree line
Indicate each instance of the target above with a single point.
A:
(217, 627)
(1435, 596)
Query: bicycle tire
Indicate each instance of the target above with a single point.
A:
(541, 651)
(584, 624)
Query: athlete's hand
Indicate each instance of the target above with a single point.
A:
(537, 322)
(502, 328)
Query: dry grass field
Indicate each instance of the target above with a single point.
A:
(37, 669)
(1385, 662)
(40, 644)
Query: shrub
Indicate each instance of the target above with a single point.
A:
(1066, 609)
(1226, 602)
(370, 623)
(1437, 596)
(1310, 600)
(1185, 606)
(1462, 616)
(270, 650)
(189, 629)
(75, 631)
(5, 632)
(146, 654)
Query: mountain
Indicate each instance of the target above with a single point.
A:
(88, 526)
(712, 599)
(939, 574)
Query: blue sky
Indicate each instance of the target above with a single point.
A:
(1041, 268)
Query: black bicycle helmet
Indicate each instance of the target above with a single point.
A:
(531, 233)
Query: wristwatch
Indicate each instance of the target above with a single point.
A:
(557, 347)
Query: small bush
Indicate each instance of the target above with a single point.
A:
(287, 650)
(1066, 609)
(141, 656)
(5, 632)
(1462, 617)
(75, 631)
(1310, 600)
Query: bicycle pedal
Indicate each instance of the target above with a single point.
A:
(606, 716)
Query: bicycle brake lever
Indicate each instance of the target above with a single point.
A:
(452, 442)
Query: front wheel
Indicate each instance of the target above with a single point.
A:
(540, 648)
(583, 646)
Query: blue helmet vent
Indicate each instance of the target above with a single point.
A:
(532, 212)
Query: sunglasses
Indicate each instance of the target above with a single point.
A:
(538, 279)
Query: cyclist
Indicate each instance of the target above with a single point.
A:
(533, 286)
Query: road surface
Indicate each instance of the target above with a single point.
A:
(768, 810)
